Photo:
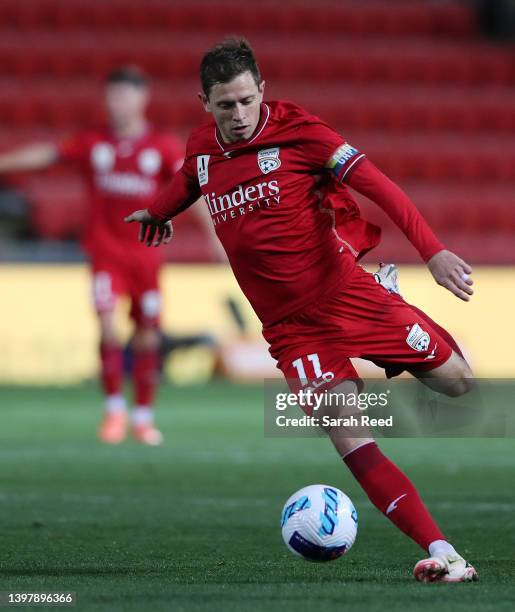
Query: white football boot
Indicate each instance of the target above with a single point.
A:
(388, 277)
(447, 568)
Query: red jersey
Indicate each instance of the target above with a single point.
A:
(282, 236)
(122, 174)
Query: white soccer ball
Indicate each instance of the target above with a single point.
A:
(319, 523)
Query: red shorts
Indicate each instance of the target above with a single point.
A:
(132, 276)
(360, 320)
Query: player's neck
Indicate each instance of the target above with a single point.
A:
(132, 129)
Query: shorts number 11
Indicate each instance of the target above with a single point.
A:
(298, 364)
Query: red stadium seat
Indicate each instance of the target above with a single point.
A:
(393, 18)
(408, 82)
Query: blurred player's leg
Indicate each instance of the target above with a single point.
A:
(145, 312)
(145, 380)
(113, 427)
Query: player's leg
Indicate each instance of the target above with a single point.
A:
(363, 319)
(387, 487)
(145, 376)
(145, 312)
(453, 378)
(399, 337)
(113, 427)
(395, 496)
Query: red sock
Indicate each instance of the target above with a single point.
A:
(393, 494)
(112, 368)
(145, 376)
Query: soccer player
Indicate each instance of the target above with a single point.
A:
(125, 165)
(292, 241)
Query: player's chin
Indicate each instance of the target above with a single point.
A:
(238, 135)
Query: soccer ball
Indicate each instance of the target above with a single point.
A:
(319, 523)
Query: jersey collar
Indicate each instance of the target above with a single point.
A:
(133, 140)
(227, 147)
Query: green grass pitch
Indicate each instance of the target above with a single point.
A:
(194, 525)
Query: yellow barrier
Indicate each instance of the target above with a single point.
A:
(48, 332)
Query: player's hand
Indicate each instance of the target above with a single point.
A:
(151, 231)
(453, 273)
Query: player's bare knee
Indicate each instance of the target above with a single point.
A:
(460, 382)
(459, 386)
(462, 378)
(146, 338)
(454, 378)
(108, 337)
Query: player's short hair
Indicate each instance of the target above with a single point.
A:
(128, 74)
(226, 61)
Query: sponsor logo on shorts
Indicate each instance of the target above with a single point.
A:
(325, 379)
(432, 354)
(418, 339)
(268, 159)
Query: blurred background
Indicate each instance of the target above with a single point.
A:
(425, 87)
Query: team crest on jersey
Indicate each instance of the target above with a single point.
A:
(417, 338)
(202, 169)
(268, 160)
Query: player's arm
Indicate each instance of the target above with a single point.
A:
(155, 221)
(31, 157)
(448, 269)
(325, 148)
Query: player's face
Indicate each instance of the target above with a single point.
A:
(235, 106)
(125, 102)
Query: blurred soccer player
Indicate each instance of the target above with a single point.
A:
(125, 165)
(293, 252)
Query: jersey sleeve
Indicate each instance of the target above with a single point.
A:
(76, 149)
(325, 149)
(376, 186)
(178, 195)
